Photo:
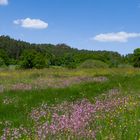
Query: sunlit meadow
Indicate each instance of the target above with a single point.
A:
(59, 103)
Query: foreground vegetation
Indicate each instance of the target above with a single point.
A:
(59, 103)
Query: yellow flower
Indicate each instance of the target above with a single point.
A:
(90, 131)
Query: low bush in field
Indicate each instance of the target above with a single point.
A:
(125, 66)
(93, 64)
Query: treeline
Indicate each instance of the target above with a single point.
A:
(26, 55)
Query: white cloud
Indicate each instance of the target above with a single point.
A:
(31, 23)
(115, 37)
(3, 2)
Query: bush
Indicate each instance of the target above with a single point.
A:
(93, 64)
(39, 61)
(2, 63)
(4, 58)
(113, 64)
(125, 66)
(71, 66)
(32, 59)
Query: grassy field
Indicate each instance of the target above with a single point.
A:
(57, 103)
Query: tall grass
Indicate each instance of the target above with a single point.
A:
(121, 122)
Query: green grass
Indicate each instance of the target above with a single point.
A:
(124, 124)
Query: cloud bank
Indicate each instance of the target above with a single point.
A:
(31, 23)
(115, 37)
(3, 2)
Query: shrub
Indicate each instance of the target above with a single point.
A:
(125, 66)
(71, 65)
(39, 61)
(2, 63)
(4, 58)
(33, 59)
(93, 64)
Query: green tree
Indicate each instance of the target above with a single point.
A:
(69, 61)
(27, 58)
(32, 59)
(40, 61)
(4, 57)
(2, 63)
(136, 58)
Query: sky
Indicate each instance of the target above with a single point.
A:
(112, 25)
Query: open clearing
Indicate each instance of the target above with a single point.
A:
(58, 103)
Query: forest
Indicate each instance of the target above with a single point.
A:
(25, 55)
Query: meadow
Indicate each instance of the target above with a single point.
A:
(70, 104)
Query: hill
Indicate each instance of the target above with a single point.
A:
(12, 52)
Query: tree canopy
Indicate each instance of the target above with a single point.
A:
(29, 55)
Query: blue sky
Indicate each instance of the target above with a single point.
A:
(84, 24)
